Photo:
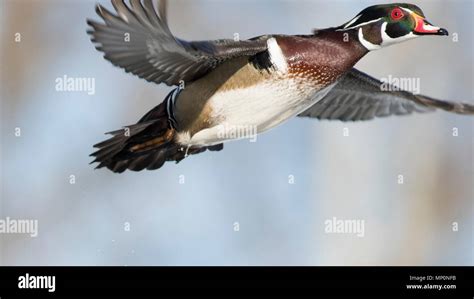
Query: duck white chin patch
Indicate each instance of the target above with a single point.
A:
(387, 40)
(368, 45)
(276, 55)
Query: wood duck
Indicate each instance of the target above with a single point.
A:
(257, 83)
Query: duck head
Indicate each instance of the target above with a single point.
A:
(383, 25)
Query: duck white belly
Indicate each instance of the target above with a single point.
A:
(245, 112)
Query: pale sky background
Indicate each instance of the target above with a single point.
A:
(352, 177)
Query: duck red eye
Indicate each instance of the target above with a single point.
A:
(397, 14)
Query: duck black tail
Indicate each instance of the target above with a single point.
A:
(145, 145)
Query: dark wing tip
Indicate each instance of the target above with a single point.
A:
(463, 108)
(454, 107)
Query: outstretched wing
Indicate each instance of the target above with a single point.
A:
(358, 96)
(139, 40)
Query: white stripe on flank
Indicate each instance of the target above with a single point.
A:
(171, 99)
(276, 55)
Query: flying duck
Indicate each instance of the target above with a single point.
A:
(225, 85)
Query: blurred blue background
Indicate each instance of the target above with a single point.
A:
(153, 218)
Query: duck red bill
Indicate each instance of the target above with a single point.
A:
(425, 27)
